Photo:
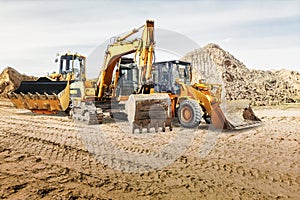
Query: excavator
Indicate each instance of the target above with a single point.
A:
(150, 94)
(70, 91)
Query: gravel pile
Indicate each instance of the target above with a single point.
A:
(214, 65)
(10, 80)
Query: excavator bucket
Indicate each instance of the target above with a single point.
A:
(42, 96)
(149, 110)
(221, 122)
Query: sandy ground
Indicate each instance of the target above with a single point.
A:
(51, 157)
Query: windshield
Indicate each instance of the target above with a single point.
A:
(181, 72)
(72, 64)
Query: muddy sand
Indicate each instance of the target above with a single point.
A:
(51, 157)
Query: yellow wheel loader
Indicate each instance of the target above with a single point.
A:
(192, 103)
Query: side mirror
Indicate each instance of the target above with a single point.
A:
(56, 60)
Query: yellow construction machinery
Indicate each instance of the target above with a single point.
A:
(192, 103)
(52, 93)
(151, 95)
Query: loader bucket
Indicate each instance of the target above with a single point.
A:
(218, 118)
(42, 96)
(220, 121)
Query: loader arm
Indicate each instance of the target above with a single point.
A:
(142, 47)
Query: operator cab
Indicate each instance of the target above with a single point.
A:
(73, 64)
(165, 74)
(128, 77)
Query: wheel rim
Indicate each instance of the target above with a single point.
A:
(186, 114)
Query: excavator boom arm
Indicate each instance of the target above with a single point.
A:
(143, 47)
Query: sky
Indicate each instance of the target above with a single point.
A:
(261, 34)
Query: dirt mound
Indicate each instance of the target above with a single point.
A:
(10, 80)
(215, 65)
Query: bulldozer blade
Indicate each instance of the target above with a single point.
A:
(42, 96)
(220, 121)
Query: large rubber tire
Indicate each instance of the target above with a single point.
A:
(189, 113)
